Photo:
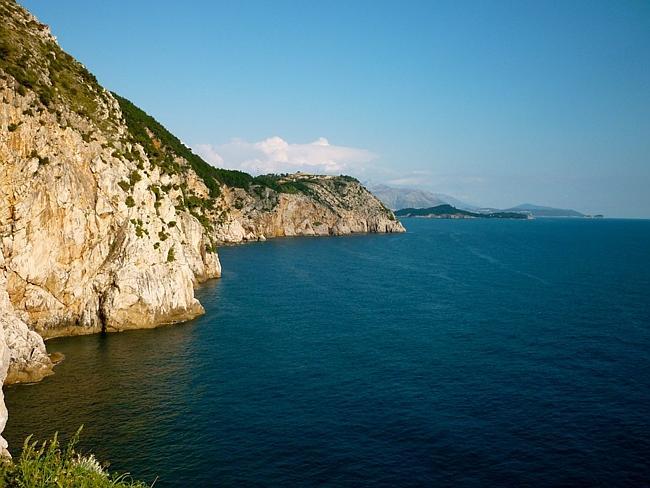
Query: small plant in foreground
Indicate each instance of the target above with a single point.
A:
(49, 464)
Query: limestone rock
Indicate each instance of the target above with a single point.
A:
(27, 358)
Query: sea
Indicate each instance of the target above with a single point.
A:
(460, 353)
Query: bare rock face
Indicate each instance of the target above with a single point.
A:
(27, 358)
(107, 221)
(80, 254)
(327, 205)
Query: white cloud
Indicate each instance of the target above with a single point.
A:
(275, 155)
(209, 154)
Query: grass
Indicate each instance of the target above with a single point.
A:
(43, 67)
(49, 464)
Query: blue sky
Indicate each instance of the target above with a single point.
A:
(496, 103)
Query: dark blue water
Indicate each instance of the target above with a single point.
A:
(464, 353)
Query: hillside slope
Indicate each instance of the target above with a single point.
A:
(107, 221)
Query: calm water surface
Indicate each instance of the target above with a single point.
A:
(465, 353)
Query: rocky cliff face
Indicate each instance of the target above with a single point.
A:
(107, 221)
(328, 206)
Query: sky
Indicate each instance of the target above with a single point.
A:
(496, 103)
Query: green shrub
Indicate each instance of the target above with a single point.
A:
(140, 231)
(269, 181)
(155, 189)
(134, 177)
(211, 247)
(171, 257)
(204, 220)
(129, 201)
(349, 179)
(275, 182)
(48, 464)
(12, 127)
(192, 201)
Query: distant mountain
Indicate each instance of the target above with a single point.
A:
(446, 211)
(396, 198)
(540, 211)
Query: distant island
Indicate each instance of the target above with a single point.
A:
(541, 211)
(446, 211)
(398, 197)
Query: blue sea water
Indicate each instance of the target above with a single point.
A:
(462, 353)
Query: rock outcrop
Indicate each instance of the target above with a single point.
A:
(4, 366)
(108, 221)
(329, 205)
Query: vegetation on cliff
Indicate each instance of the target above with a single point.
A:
(37, 63)
(49, 464)
(163, 149)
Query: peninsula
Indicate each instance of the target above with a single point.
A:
(446, 211)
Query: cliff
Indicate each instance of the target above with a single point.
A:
(107, 221)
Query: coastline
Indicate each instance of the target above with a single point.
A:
(39, 371)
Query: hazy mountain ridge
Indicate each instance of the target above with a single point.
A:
(398, 198)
